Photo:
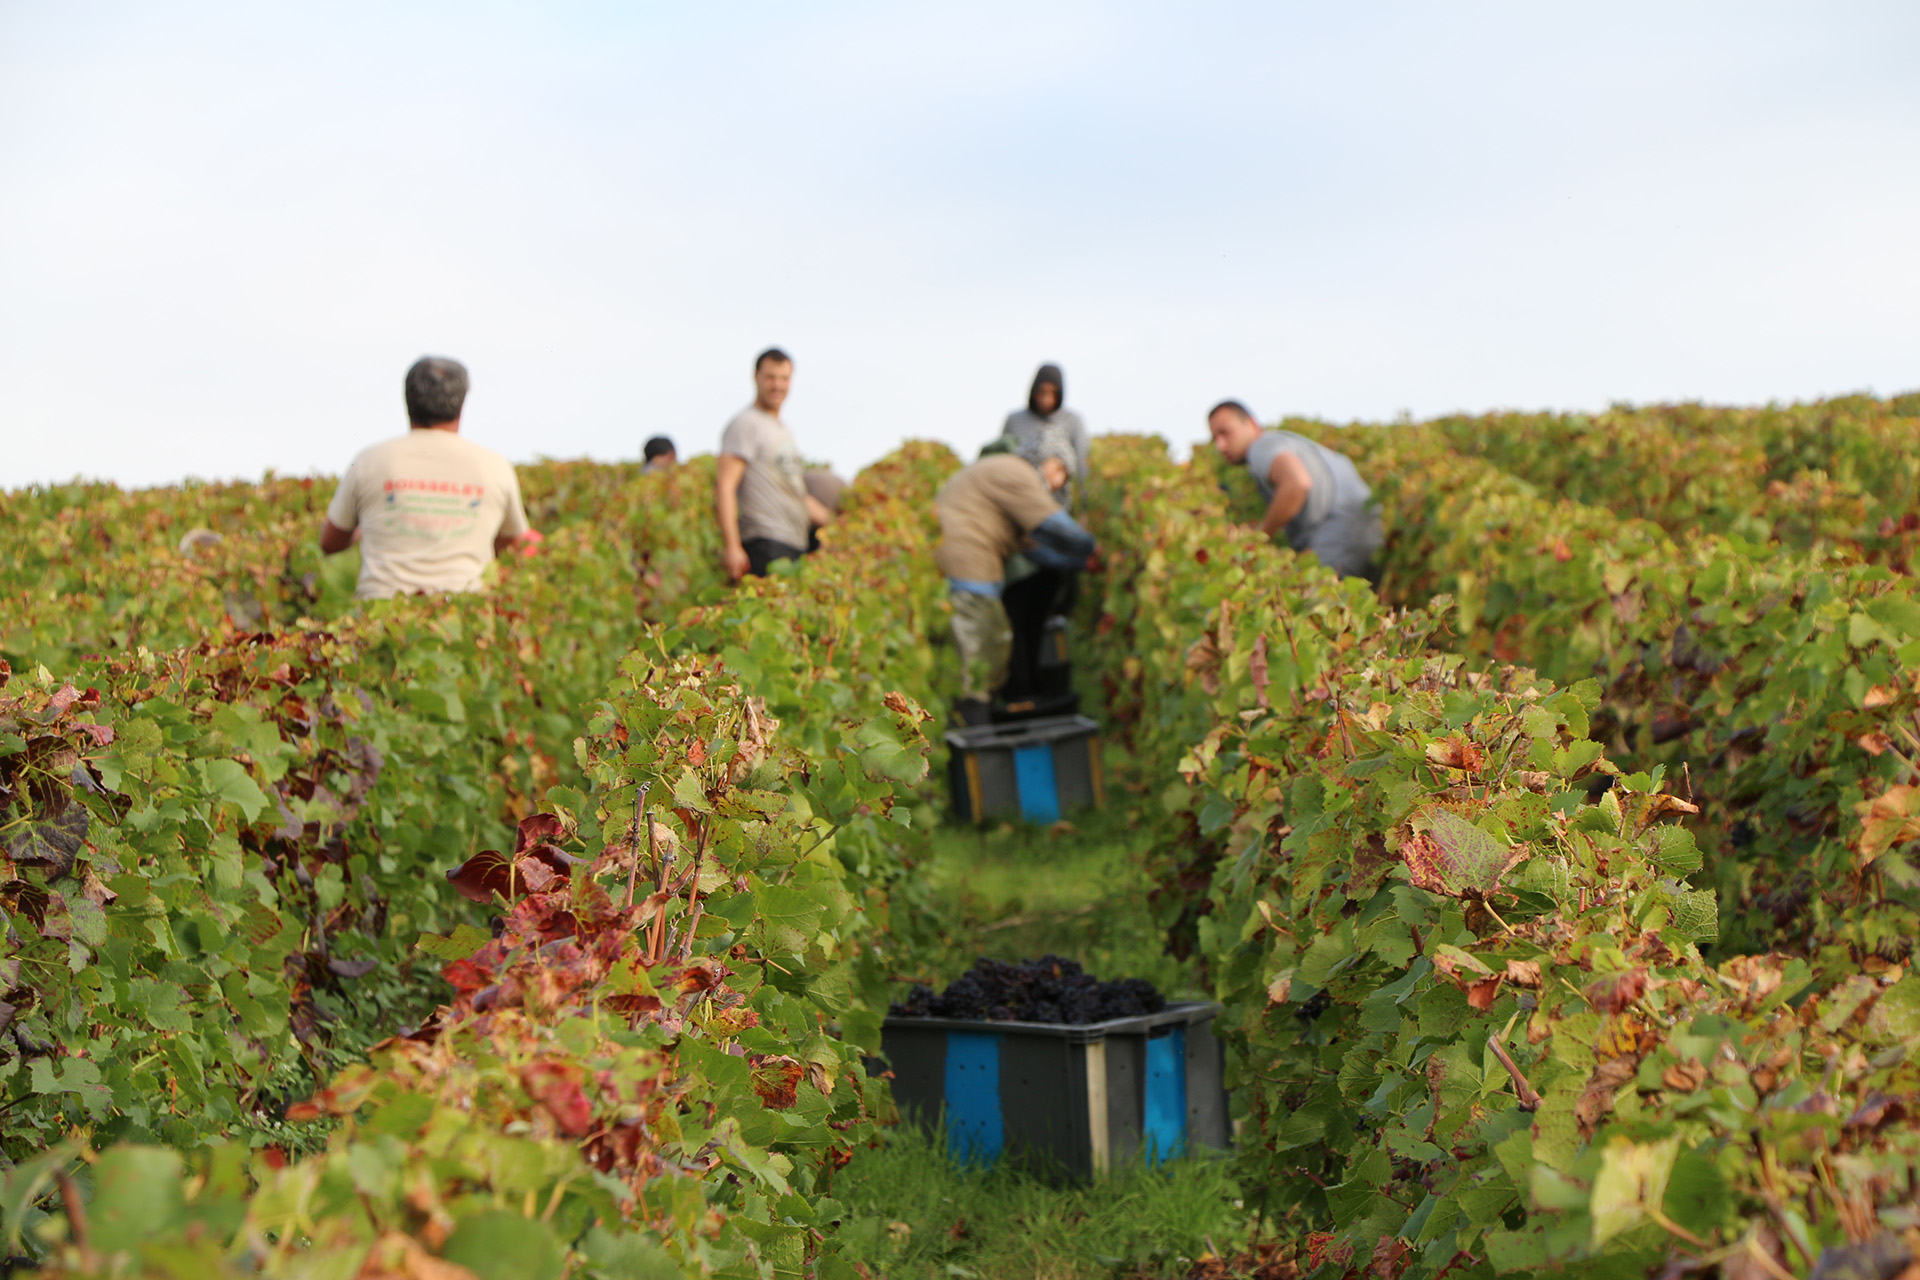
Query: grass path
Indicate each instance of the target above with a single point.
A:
(1076, 890)
(1014, 893)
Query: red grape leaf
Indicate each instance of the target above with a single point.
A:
(556, 1087)
(1449, 855)
(466, 977)
(776, 1079)
(535, 829)
(1617, 993)
(485, 874)
(534, 873)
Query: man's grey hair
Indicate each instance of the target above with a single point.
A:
(436, 390)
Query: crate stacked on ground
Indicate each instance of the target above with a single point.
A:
(1043, 1063)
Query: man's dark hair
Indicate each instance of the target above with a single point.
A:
(436, 391)
(657, 446)
(775, 354)
(1234, 405)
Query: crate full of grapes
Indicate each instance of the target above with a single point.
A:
(1043, 1062)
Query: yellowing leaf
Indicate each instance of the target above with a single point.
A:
(1889, 819)
(1619, 1037)
(1280, 990)
(1458, 752)
(1632, 1180)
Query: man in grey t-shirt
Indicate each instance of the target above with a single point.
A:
(1312, 492)
(760, 491)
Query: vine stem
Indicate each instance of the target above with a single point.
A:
(1758, 1254)
(1675, 1228)
(1912, 769)
(695, 902)
(633, 837)
(1529, 1098)
(661, 852)
(76, 1215)
(656, 947)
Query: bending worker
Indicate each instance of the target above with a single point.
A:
(1035, 593)
(1000, 505)
(1312, 492)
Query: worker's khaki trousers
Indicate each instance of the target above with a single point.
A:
(984, 637)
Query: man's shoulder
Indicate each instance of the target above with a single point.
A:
(1008, 470)
(457, 448)
(754, 418)
(975, 477)
(1273, 440)
(425, 448)
(379, 456)
(382, 448)
(751, 428)
(480, 453)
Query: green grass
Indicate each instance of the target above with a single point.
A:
(1017, 892)
(913, 1212)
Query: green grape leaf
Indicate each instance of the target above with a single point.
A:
(463, 942)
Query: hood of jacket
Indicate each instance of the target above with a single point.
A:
(1049, 375)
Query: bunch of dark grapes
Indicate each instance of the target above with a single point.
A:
(1049, 989)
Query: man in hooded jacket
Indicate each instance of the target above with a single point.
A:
(1046, 401)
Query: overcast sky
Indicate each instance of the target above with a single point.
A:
(227, 229)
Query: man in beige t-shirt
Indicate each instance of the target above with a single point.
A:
(429, 508)
(760, 493)
(999, 505)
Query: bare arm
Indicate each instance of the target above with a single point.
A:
(817, 512)
(334, 539)
(1291, 484)
(729, 471)
(501, 541)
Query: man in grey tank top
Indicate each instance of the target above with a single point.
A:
(1312, 492)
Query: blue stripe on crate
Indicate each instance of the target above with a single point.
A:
(1165, 1124)
(1033, 774)
(974, 1129)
